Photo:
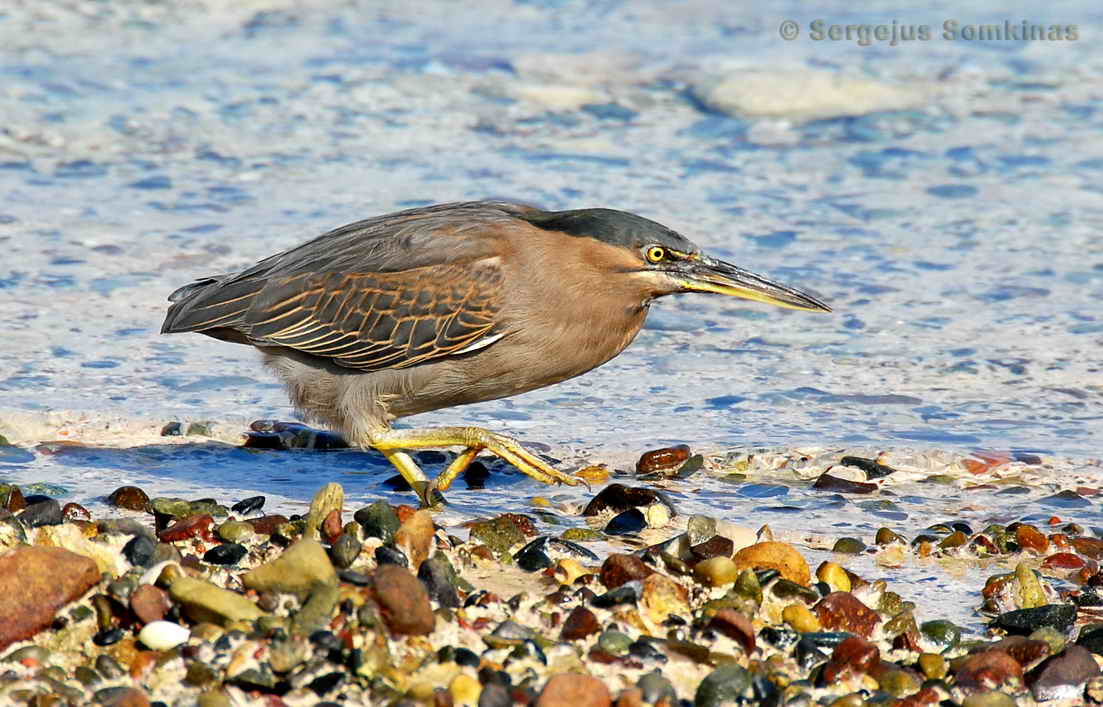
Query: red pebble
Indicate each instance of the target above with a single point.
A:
(190, 527)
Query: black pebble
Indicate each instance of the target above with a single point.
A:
(385, 555)
(109, 637)
(248, 505)
(139, 551)
(326, 683)
(46, 511)
(225, 554)
(627, 523)
(468, 657)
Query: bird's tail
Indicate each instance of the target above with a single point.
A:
(209, 303)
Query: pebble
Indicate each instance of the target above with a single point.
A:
(40, 513)
(664, 459)
(617, 498)
(580, 623)
(75, 511)
(330, 497)
(345, 551)
(121, 697)
(301, 565)
(800, 618)
(465, 690)
(987, 670)
(728, 684)
(415, 537)
(830, 482)
(1025, 621)
(780, 556)
(189, 527)
(163, 635)
(35, 582)
(853, 656)
(149, 603)
(662, 596)
(130, 497)
(842, 611)
(267, 525)
(628, 522)
(226, 554)
(235, 531)
(378, 521)
(618, 569)
(716, 571)
(403, 601)
(204, 601)
(248, 505)
(834, 576)
(386, 555)
(1063, 676)
(735, 626)
(574, 690)
(439, 578)
(139, 550)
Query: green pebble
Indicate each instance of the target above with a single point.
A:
(317, 611)
(747, 587)
(175, 507)
(727, 684)
(4, 441)
(1031, 592)
(37, 653)
(614, 642)
(378, 520)
(345, 551)
(235, 531)
(886, 536)
(700, 528)
(202, 428)
(953, 540)
(901, 623)
(1052, 636)
(989, 699)
(499, 535)
(848, 546)
(785, 589)
(196, 508)
(581, 535)
(943, 633)
(87, 676)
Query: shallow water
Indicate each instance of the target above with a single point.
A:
(958, 238)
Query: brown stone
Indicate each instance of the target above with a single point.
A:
(923, 698)
(830, 482)
(580, 623)
(34, 583)
(190, 527)
(662, 459)
(716, 546)
(1026, 652)
(126, 697)
(619, 569)
(735, 626)
(1091, 547)
(574, 690)
(331, 526)
(842, 611)
(1029, 538)
(149, 603)
(14, 500)
(75, 511)
(780, 556)
(630, 697)
(988, 670)
(1063, 561)
(403, 601)
(415, 537)
(129, 497)
(854, 656)
(662, 596)
(267, 525)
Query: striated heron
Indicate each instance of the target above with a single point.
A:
(454, 304)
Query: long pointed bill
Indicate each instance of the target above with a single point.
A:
(706, 274)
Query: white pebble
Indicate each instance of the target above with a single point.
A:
(163, 635)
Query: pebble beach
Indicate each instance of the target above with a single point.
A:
(895, 504)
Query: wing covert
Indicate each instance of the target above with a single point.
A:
(370, 321)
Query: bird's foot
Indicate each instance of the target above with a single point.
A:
(473, 440)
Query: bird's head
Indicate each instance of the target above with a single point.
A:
(661, 261)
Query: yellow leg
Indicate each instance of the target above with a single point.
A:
(457, 467)
(388, 441)
(412, 473)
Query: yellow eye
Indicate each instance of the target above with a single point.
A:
(656, 254)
